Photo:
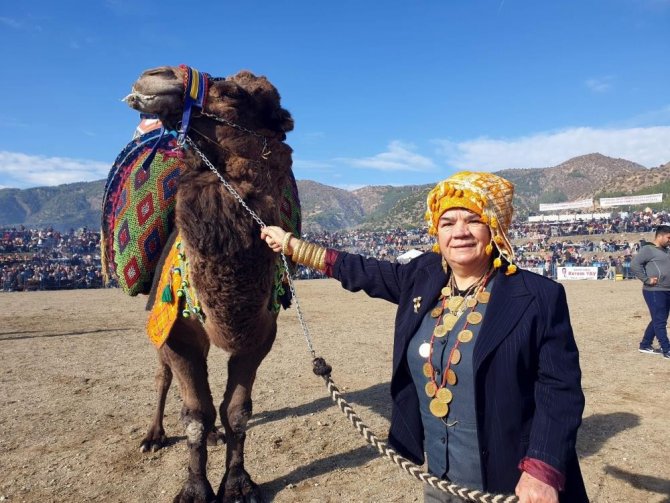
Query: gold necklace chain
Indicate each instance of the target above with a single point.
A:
(440, 395)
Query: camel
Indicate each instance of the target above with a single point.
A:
(241, 130)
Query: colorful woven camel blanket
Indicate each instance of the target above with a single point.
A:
(175, 296)
(138, 209)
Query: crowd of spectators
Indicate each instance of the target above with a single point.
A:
(636, 222)
(548, 246)
(45, 259)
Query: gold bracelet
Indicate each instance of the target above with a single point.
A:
(284, 243)
(299, 258)
(296, 250)
(307, 260)
(321, 263)
(315, 257)
(310, 255)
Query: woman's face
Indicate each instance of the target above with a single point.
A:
(463, 237)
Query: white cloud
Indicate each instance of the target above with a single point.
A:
(650, 118)
(21, 170)
(658, 4)
(599, 85)
(647, 146)
(399, 157)
(349, 186)
(12, 23)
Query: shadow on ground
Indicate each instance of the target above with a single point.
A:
(377, 398)
(14, 336)
(598, 428)
(644, 482)
(351, 459)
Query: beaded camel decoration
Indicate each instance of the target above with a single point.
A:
(238, 135)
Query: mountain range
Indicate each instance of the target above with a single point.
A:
(324, 207)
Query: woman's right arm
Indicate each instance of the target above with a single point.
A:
(378, 278)
(301, 252)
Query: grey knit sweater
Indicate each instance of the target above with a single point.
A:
(650, 262)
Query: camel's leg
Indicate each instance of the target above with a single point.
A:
(186, 351)
(235, 411)
(155, 437)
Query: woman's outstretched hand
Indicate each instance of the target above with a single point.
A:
(274, 237)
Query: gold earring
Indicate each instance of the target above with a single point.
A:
(445, 266)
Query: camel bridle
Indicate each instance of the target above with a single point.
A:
(195, 86)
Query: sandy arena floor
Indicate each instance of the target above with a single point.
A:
(77, 394)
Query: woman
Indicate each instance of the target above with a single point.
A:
(486, 376)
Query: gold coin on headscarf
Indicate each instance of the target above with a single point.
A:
(427, 369)
(438, 408)
(444, 395)
(474, 317)
(471, 302)
(430, 388)
(455, 302)
(446, 291)
(436, 312)
(440, 331)
(483, 297)
(449, 320)
(465, 335)
(451, 377)
(455, 357)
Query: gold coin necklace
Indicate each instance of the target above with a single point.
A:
(440, 395)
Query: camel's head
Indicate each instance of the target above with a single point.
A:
(158, 91)
(244, 99)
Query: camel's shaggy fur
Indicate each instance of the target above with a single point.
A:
(231, 268)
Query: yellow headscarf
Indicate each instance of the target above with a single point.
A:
(485, 194)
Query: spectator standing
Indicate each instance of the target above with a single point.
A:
(611, 268)
(652, 266)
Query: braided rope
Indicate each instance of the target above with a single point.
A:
(404, 463)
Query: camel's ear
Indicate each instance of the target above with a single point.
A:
(226, 88)
(283, 120)
(267, 97)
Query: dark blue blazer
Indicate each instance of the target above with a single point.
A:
(528, 394)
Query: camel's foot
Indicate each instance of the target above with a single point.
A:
(195, 490)
(153, 440)
(216, 437)
(237, 487)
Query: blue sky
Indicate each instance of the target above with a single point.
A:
(387, 92)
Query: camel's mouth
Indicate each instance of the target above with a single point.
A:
(135, 98)
(153, 103)
(165, 91)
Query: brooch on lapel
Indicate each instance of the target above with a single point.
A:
(417, 304)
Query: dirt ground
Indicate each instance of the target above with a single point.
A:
(77, 395)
